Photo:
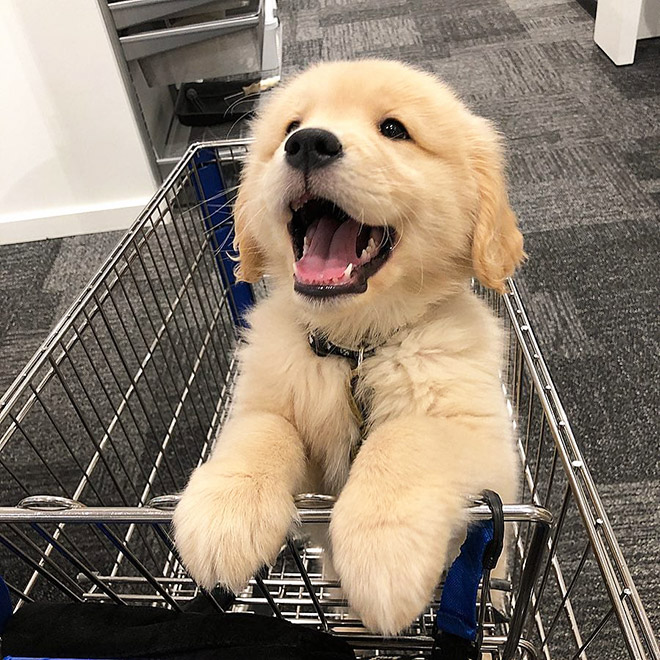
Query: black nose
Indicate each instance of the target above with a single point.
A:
(310, 148)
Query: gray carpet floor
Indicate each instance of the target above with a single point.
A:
(583, 140)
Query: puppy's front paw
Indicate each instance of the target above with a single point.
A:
(227, 526)
(388, 563)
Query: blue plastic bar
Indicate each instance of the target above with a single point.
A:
(218, 220)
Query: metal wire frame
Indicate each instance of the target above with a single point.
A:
(125, 397)
(295, 588)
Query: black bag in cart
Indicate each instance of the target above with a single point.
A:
(92, 630)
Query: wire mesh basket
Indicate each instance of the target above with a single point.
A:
(104, 425)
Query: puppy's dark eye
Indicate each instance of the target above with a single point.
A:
(292, 127)
(394, 129)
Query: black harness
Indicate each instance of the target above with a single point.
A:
(324, 347)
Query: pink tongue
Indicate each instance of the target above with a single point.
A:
(331, 249)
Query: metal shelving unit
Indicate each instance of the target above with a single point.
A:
(164, 44)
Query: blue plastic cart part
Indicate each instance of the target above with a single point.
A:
(211, 193)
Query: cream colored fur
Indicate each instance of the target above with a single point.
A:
(439, 430)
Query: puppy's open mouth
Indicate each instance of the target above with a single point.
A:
(334, 253)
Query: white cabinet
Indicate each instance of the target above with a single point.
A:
(73, 155)
(621, 23)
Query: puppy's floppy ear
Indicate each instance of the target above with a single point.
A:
(250, 267)
(497, 244)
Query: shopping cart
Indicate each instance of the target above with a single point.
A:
(106, 422)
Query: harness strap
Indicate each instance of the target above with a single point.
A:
(458, 634)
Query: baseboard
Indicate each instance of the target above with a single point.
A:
(70, 222)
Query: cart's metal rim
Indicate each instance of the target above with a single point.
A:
(98, 514)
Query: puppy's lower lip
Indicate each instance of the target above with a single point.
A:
(328, 290)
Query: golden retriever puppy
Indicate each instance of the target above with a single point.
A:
(371, 196)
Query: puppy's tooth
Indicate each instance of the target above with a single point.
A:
(371, 244)
(347, 273)
(364, 255)
(300, 202)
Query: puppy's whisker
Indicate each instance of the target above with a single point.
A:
(203, 202)
(238, 121)
(384, 238)
(242, 99)
(189, 209)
